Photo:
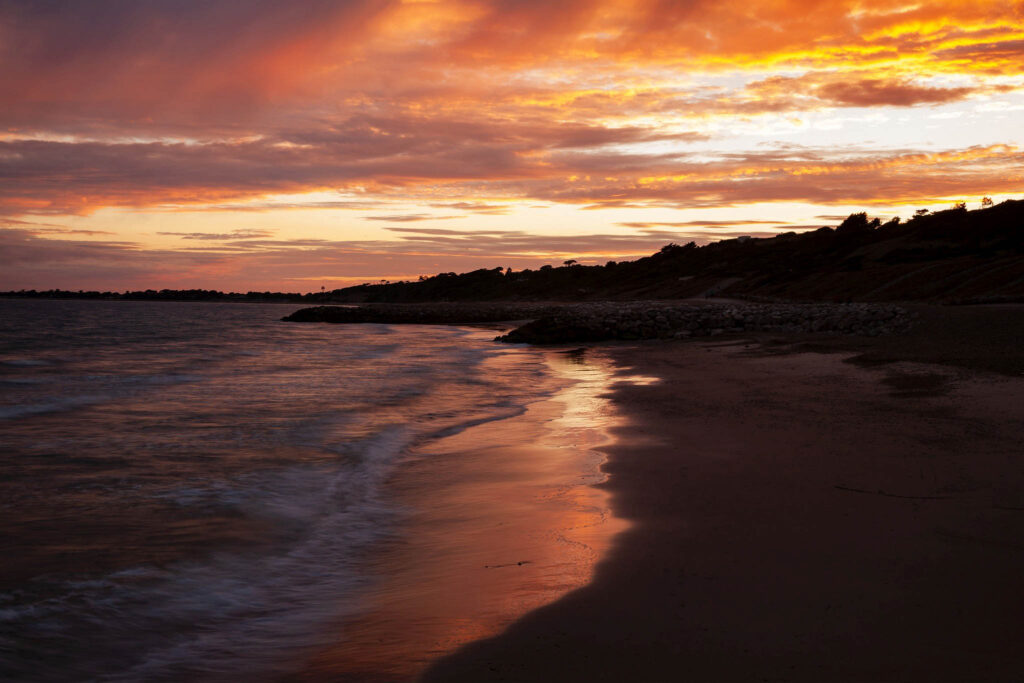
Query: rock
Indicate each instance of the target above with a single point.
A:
(599, 321)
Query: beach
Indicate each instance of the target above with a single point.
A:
(479, 341)
(189, 492)
(201, 492)
(801, 508)
(501, 519)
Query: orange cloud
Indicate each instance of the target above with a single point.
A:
(468, 105)
(209, 68)
(51, 177)
(846, 89)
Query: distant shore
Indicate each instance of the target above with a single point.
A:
(804, 508)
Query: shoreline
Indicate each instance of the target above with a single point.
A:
(847, 514)
(499, 519)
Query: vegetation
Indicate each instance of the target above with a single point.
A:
(947, 255)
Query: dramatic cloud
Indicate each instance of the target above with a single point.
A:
(482, 110)
(91, 175)
(202, 68)
(77, 177)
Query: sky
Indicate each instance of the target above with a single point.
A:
(288, 146)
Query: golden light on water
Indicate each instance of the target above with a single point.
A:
(511, 521)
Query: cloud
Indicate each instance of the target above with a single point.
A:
(475, 207)
(408, 218)
(695, 224)
(291, 264)
(472, 107)
(245, 234)
(164, 61)
(116, 67)
(45, 263)
(839, 89)
(57, 177)
(244, 205)
(1002, 57)
(869, 92)
(70, 231)
(37, 228)
(78, 177)
(824, 176)
(147, 105)
(444, 231)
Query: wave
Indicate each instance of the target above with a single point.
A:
(110, 388)
(52, 405)
(239, 617)
(292, 432)
(25, 363)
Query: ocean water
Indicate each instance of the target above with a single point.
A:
(199, 491)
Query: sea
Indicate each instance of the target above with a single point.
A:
(199, 491)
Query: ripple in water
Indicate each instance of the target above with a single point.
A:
(189, 490)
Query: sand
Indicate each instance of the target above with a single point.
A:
(856, 515)
(496, 521)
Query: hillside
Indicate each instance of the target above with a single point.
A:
(954, 255)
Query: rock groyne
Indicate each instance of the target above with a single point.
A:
(655, 320)
(628, 320)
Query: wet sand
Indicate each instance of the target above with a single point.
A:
(855, 515)
(501, 519)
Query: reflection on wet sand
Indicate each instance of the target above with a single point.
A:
(503, 518)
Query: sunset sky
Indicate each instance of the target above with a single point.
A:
(284, 145)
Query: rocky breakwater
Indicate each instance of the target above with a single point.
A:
(657, 320)
(424, 314)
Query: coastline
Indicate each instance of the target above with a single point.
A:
(841, 516)
(499, 519)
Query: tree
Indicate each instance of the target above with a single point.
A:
(854, 223)
(986, 202)
(570, 262)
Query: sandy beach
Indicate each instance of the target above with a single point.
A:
(498, 520)
(801, 509)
